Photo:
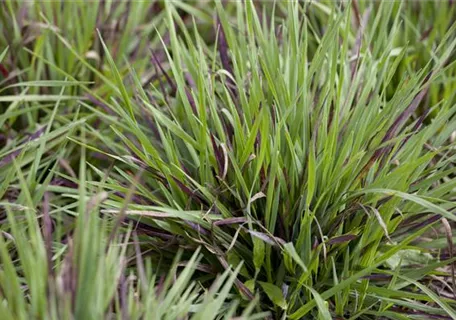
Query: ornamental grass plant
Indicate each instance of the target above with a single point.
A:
(227, 159)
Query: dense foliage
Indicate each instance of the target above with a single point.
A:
(172, 160)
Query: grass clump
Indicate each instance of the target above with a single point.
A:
(303, 150)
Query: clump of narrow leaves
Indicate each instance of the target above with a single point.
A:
(305, 148)
(93, 273)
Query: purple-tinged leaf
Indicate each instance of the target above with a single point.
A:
(230, 221)
(161, 285)
(218, 154)
(190, 80)
(419, 225)
(144, 228)
(64, 182)
(4, 71)
(123, 295)
(198, 228)
(425, 315)
(139, 262)
(165, 74)
(223, 48)
(149, 121)
(415, 129)
(47, 232)
(241, 287)
(407, 112)
(359, 37)
(221, 156)
(426, 33)
(65, 165)
(9, 157)
(68, 276)
(449, 236)
(187, 190)
(392, 131)
(315, 243)
(100, 104)
(342, 239)
(274, 241)
(191, 100)
(37, 133)
(199, 266)
(357, 15)
(157, 77)
(380, 277)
